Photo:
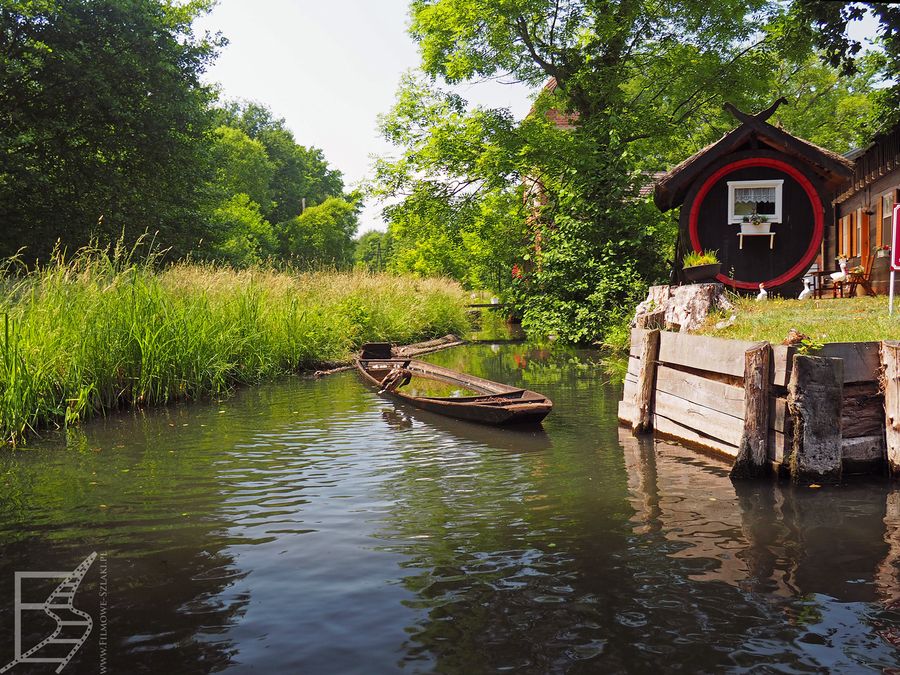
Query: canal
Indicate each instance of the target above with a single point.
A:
(314, 527)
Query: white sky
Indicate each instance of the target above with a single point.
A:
(329, 68)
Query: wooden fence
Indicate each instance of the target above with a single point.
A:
(700, 389)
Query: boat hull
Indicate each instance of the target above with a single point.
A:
(495, 403)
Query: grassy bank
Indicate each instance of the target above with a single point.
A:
(840, 320)
(93, 334)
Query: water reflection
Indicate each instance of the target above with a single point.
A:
(824, 559)
(401, 416)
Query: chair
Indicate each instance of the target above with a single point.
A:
(861, 278)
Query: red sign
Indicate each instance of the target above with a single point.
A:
(895, 240)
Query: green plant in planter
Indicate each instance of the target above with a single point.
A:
(694, 259)
(754, 218)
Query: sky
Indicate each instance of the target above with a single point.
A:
(329, 68)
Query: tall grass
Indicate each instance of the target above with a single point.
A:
(100, 331)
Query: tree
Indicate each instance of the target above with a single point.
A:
(263, 181)
(104, 115)
(300, 174)
(242, 236)
(826, 24)
(322, 233)
(642, 83)
(372, 250)
(242, 166)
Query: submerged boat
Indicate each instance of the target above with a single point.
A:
(447, 392)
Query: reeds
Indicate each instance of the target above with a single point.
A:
(102, 331)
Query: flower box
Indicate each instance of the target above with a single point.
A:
(883, 253)
(756, 228)
(700, 273)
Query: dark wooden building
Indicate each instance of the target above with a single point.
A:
(862, 224)
(760, 197)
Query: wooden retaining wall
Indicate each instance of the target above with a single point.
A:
(694, 391)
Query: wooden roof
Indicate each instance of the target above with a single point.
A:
(754, 131)
(880, 157)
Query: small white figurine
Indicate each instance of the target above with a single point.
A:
(842, 275)
(762, 293)
(806, 292)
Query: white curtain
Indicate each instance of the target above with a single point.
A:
(753, 195)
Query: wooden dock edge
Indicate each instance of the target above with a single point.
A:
(730, 398)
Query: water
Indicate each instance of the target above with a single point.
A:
(313, 527)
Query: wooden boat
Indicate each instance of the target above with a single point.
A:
(491, 402)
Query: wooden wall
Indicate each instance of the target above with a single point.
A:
(699, 396)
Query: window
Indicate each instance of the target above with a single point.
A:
(762, 197)
(887, 208)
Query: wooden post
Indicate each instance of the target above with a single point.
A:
(752, 460)
(815, 398)
(643, 398)
(890, 362)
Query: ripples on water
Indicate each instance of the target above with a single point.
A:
(314, 527)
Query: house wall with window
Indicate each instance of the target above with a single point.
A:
(761, 198)
(864, 208)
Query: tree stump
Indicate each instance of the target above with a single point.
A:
(752, 460)
(643, 398)
(690, 305)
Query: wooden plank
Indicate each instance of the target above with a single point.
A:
(707, 421)
(626, 412)
(890, 359)
(671, 429)
(629, 390)
(781, 368)
(634, 366)
(643, 398)
(864, 449)
(863, 411)
(752, 457)
(861, 361)
(779, 417)
(725, 398)
(637, 339)
(711, 354)
(779, 447)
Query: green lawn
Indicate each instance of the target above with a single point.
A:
(829, 320)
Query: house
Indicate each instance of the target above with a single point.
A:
(760, 197)
(863, 208)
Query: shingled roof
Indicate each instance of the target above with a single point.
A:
(833, 168)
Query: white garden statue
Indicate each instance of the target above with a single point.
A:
(762, 293)
(806, 292)
(842, 275)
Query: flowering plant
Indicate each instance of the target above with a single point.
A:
(754, 218)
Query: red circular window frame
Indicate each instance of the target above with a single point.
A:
(815, 201)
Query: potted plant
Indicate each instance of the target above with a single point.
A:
(755, 224)
(883, 251)
(702, 266)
